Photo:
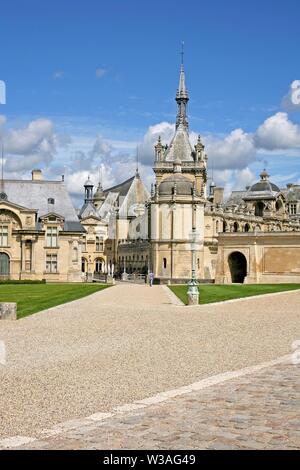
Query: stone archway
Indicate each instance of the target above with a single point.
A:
(4, 265)
(99, 265)
(238, 267)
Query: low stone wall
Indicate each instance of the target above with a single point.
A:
(8, 311)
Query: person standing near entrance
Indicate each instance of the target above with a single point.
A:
(151, 279)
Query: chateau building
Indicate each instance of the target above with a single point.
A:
(253, 236)
(40, 234)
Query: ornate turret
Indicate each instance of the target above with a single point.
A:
(180, 156)
(88, 190)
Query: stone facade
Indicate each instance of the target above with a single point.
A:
(40, 235)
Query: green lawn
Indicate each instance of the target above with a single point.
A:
(32, 298)
(210, 293)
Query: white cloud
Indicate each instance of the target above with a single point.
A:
(100, 72)
(278, 132)
(2, 119)
(291, 102)
(146, 148)
(236, 150)
(34, 145)
(234, 179)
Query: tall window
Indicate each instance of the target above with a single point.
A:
(51, 263)
(99, 244)
(52, 236)
(3, 235)
(83, 243)
(98, 265)
(293, 209)
(83, 265)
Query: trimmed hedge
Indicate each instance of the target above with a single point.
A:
(25, 281)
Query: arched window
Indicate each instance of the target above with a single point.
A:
(99, 265)
(217, 226)
(247, 228)
(224, 226)
(235, 227)
(165, 263)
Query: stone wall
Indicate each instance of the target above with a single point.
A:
(272, 257)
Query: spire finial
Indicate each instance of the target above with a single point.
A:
(182, 52)
(182, 96)
(137, 161)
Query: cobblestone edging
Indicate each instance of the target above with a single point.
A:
(154, 409)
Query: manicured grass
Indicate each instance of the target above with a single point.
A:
(36, 297)
(210, 293)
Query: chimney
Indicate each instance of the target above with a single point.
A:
(218, 195)
(36, 175)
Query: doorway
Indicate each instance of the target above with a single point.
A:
(238, 267)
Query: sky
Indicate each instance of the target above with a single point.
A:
(89, 81)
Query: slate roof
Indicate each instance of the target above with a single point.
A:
(35, 194)
(180, 147)
(122, 188)
(236, 198)
(292, 194)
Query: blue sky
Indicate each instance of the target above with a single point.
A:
(93, 78)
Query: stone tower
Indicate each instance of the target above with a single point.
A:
(178, 198)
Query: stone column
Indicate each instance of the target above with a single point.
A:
(23, 255)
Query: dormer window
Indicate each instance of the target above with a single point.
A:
(51, 201)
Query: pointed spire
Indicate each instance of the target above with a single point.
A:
(182, 97)
(137, 162)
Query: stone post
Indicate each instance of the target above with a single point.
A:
(8, 311)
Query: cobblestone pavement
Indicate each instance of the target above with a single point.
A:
(260, 411)
(126, 343)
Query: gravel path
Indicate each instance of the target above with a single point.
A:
(127, 343)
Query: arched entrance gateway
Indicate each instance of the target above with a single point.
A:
(4, 265)
(238, 267)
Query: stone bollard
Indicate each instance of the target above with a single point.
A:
(193, 293)
(8, 311)
(193, 299)
(110, 280)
